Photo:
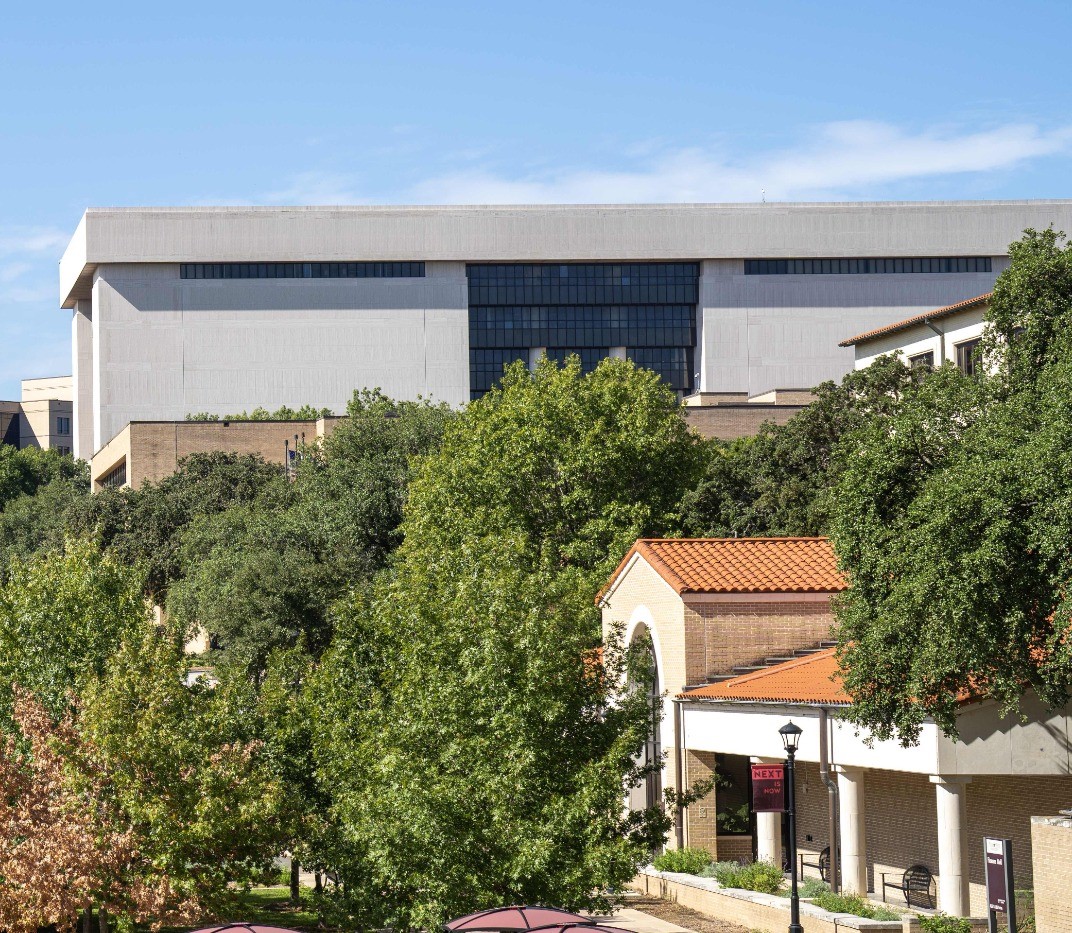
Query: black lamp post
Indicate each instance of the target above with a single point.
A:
(790, 734)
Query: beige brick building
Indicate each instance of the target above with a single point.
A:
(713, 607)
(931, 804)
(41, 417)
(147, 451)
(1051, 859)
(730, 415)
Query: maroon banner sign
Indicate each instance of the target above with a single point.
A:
(768, 788)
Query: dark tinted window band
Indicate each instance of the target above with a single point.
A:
(866, 266)
(301, 270)
(582, 308)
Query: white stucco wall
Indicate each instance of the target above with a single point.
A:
(957, 328)
(990, 744)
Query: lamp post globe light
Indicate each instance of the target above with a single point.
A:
(790, 734)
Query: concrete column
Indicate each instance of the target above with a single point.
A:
(768, 829)
(82, 397)
(952, 850)
(853, 835)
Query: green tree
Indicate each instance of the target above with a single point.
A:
(263, 574)
(251, 580)
(579, 466)
(35, 522)
(473, 746)
(481, 760)
(283, 413)
(62, 615)
(144, 525)
(953, 517)
(23, 472)
(780, 481)
(351, 489)
(1028, 314)
(185, 769)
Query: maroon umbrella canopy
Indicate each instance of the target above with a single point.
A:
(517, 918)
(244, 928)
(589, 926)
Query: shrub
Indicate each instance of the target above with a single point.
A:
(813, 887)
(943, 923)
(855, 904)
(687, 861)
(756, 876)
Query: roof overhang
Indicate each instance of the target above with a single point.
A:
(961, 307)
(547, 233)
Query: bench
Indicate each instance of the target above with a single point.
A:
(917, 882)
(822, 866)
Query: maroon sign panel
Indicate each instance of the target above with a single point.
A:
(997, 891)
(768, 788)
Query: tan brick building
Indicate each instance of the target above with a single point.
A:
(730, 415)
(713, 607)
(147, 451)
(930, 804)
(1051, 859)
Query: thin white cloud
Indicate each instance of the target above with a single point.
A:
(849, 159)
(15, 241)
(28, 257)
(316, 187)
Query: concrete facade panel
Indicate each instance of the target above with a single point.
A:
(151, 345)
(767, 331)
(549, 232)
(167, 347)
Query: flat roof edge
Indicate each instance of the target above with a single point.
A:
(74, 264)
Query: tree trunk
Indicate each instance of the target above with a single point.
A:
(87, 920)
(294, 869)
(318, 880)
(102, 920)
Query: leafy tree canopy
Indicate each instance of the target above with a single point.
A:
(283, 413)
(184, 769)
(144, 525)
(780, 481)
(580, 467)
(62, 615)
(464, 723)
(37, 522)
(263, 574)
(480, 758)
(351, 488)
(952, 518)
(23, 472)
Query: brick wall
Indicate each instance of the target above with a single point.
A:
(721, 635)
(902, 823)
(701, 825)
(156, 448)
(1051, 857)
(1002, 807)
(730, 421)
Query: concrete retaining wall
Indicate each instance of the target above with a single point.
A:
(757, 911)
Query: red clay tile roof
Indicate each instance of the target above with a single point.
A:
(918, 319)
(810, 679)
(740, 565)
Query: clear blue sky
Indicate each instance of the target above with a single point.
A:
(345, 102)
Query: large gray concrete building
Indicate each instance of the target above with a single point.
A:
(180, 310)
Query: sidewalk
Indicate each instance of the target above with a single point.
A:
(629, 918)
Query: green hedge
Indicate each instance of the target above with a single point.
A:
(686, 861)
(854, 904)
